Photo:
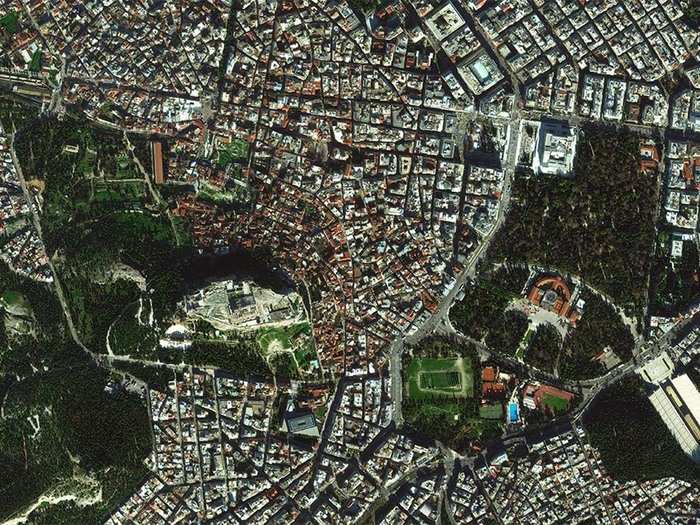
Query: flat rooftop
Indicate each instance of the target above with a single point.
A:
(678, 403)
(657, 369)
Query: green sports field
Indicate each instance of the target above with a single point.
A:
(557, 404)
(494, 411)
(430, 377)
(439, 380)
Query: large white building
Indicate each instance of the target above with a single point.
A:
(658, 369)
(555, 148)
(678, 403)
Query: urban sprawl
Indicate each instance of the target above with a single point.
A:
(371, 152)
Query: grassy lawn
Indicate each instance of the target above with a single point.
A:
(556, 404)
(125, 168)
(267, 336)
(305, 355)
(440, 380)
(285, 336)
(440, 401)
(491, 411)
(320, 413)
(9, 22)
(430, 376)
(520, 352)
(435, 365)
(210, 193)
(299, 329)
(35, 62)
(13, 298)
(236, 150)
(118, 191)
(293, 340)
(484, 428)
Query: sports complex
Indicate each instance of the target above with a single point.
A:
(434, 377)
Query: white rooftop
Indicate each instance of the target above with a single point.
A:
(689, 394)
(658, 369)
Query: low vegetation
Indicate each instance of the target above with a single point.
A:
(430, 377)
(365, 6)
(9, 22)
(14, 112)
(36, 61)
(93, 218)
(156, 377)
(283, 365)
(239, 356)
(289, 349)
(38, 298)
(483, 315)
(285, 337)
(60, 422)
(235, 151)
(131, 334)
(692, 13)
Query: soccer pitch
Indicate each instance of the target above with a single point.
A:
(558, 405)
(439, 380)
(430, 377)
